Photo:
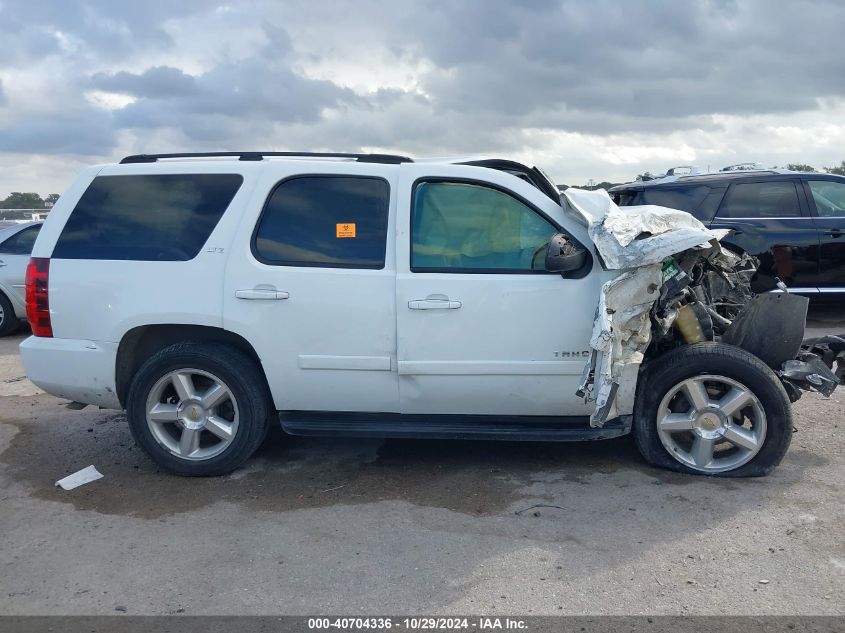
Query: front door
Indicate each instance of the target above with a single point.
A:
(310, 283)
(482, 327)
(770, 221)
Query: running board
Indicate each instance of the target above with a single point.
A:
(467, 427)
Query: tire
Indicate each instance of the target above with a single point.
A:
(201, 432)
(729, 375)
(8, 321)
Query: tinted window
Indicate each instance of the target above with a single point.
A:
(829, 197)
(21, 243)
(330, 221)
(707, 209)
(151, 218)
(761, 200)
(468, 227)
(684, 198)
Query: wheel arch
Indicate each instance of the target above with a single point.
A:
(141, 342)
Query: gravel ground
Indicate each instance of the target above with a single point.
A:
(315, 526)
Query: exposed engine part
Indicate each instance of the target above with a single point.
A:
(715, 317)
(688, 324)
(718, 304)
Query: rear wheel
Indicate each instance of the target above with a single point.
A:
(199, 409)
(712, 409)
(8, 321)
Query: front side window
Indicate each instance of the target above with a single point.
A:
(164, 217)
(829, 197)
(761, 200)
(460, 227)
(325, 221)
(21, 243)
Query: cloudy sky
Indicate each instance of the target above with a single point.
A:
(601, 90)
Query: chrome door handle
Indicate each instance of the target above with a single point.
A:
(433, 304)
(834, 233)
(262, 294)
(2, 263)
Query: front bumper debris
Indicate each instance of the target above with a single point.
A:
(819, 366)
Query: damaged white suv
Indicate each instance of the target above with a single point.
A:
(373, 295)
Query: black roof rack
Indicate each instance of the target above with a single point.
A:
(388, 159)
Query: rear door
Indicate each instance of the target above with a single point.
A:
(310, 282)
(483, 328)
(771, 221)
(14, 257)
(827, 201)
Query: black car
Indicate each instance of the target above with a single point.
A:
(793, 222)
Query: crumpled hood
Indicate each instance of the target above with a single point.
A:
(636, 236)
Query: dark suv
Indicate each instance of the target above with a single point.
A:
(793, 222)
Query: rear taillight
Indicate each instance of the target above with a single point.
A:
(37, 296)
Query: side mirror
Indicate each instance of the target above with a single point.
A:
(563, 255)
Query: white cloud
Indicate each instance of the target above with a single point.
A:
(599, 90)
(109, 100)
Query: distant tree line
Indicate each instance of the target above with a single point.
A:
(601, 185)
(18, 200)
(839, 170)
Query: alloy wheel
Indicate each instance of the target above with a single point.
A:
(711, 423)
(192, 413)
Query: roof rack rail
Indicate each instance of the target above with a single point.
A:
(389, 159)
(692, 170)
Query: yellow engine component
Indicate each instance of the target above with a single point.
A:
(688, 324)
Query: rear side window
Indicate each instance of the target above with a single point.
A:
(149, 218)
(684, 198)
(21, 243)
(761, 200)
(326, 221)
(829, 197)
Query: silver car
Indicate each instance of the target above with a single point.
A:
(16, 244)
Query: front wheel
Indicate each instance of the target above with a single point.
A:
(712, 409)
(199, 409)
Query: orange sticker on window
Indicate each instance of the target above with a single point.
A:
(346, 229)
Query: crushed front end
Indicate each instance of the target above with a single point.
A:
(678, 286)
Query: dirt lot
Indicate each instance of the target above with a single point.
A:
(377, 527)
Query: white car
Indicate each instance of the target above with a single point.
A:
(16, 244)
(343, 294)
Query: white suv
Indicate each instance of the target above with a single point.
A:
(208, 295)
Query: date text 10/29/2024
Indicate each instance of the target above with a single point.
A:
(421, 623)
